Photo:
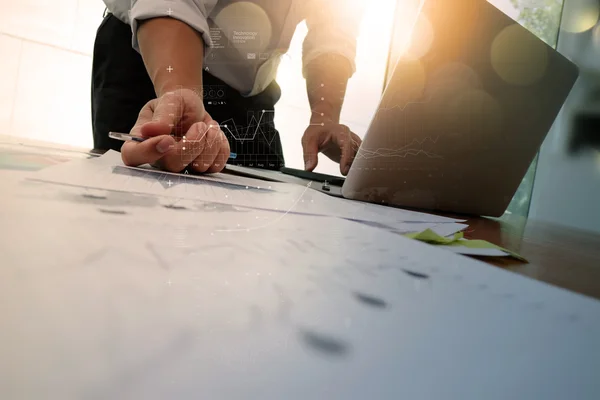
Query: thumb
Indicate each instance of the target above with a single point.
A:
(310, 148)
(146, 152)
(155, 128)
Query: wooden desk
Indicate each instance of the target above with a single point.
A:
(557, 255)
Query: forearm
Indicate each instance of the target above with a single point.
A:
(172, 52)
(326, 81)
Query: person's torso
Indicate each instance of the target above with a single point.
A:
(248, 38)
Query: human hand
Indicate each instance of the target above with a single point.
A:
(336, 141)
(179, 133)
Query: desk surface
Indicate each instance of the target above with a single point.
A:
(557, 255)
(300, 309)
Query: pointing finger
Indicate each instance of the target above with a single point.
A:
(344, 141)
(310, 147)
(166, 115)
(145, 116)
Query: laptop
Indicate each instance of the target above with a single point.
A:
(458, 127)
(462, 117)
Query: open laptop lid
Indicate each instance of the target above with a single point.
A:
(463, 115)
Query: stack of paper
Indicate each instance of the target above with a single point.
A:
(108, 173)
(118, 294)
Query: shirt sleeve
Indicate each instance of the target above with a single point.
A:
(192, 12)
(333, 27)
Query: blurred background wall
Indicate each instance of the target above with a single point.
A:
(566, 189)
(45, 68)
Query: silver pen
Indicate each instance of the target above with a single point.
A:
(126, 137)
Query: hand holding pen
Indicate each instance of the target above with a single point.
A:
(127, 136)
(175, 132)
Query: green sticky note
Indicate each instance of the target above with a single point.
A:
(429, 236)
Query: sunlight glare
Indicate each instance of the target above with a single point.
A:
(245, 23)
(406, 19)
(580, 15)
(518, 58)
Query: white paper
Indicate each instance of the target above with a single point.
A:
(107, 172)
(115, 295)
(476, 252)
(449, 229)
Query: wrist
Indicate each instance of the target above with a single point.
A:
(325, 116)
(175, 85)
(325, 113)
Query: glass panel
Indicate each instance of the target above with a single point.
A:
(542, 17)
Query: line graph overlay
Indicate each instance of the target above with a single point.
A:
(402, 107)
(403, 152)
(252, 129)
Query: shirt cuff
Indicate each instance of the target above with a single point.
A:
(185, 12)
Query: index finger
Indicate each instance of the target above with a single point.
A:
(168, 108)
(310, 150)
(166, 112)
(346, 146)
(145, 115)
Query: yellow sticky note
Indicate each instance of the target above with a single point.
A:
(429, 236)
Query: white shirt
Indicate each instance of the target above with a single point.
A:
(245, 39)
